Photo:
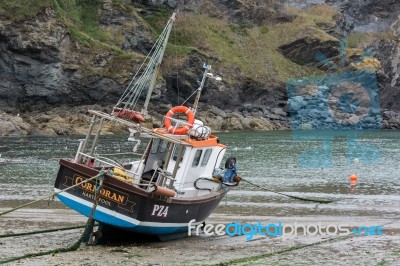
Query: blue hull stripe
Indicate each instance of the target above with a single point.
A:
(106, 218)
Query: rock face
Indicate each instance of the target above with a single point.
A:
(377, 16)
(13, 125)
(41, 67)
(347, 101)
(305, 50)
(362, 19)
(52, 70)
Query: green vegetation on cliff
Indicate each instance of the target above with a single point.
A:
(22, 9)
(361, 39)
(251, 49)
(254, 49)
(82, 19)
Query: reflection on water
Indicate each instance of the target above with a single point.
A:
(274, 160)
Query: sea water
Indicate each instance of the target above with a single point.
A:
(307, 164)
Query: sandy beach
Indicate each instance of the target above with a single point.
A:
(202, 250)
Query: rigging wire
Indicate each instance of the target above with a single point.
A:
(143, 76)
(136, 86)
(177, 71)
(190, 96)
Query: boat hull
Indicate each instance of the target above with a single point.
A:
(130, 208)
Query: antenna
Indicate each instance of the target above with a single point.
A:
(205, 75)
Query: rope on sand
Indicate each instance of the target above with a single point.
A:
(286, 250)
(101, 173)
(86, 235)
(43, 231)
(266, 255)
(290, 196)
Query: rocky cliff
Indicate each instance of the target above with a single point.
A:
(60, 58)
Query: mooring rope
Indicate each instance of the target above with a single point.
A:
(102, 172)
(215, 181)
(43, 231)
(290, 196)
(87, 234)
(88, 227)
(282, 251)
(254, 258)
(73, 247)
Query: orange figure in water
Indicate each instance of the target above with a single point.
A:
(353, 182)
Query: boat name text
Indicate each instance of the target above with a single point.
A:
(104, 192)
(91, 196)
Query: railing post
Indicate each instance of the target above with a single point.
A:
(92, 122)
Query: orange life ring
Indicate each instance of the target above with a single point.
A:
(181, 130)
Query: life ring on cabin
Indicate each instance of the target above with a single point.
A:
(180, 130)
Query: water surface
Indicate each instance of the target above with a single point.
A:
(307, 164)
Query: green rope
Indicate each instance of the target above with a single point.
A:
(90, 222)
(73, 247)
(101, 173)
(290, 196)
(86, 233)
(254, 258)
(43, 231)
(266, 255)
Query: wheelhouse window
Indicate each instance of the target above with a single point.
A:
(206, 157)
(197, 157)
(163, 146)
(154, 146)
(176, 153)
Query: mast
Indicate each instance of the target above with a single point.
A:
(157, 65)
(206, 74)
(203, 80)
(145, 77)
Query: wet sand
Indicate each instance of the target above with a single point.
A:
(202, 249)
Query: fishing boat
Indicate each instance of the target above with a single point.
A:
(160, 190)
